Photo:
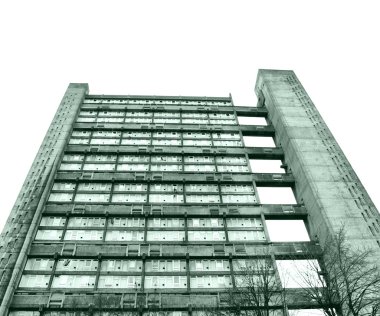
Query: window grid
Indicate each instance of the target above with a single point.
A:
(202, 102)
(144, 163)
(102, 273)
(171, 193)
(115, 138)
(148, 117)
(155, 229)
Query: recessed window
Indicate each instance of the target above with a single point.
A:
(258, 141)
(287, 230)
(266, 166)
(275, 195)
(248, 120)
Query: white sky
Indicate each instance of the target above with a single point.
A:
(186, 48)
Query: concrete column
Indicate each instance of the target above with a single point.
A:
(325, 180)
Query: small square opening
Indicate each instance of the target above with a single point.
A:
(276, 195)
(266, 166)
(258, 141)
(287, 230)
(252, 120)
(299, 273)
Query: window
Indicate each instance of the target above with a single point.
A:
(70, 167)
(161, 187)
(201, 188)
(166, 114)
(165, 266)
(236, 188)
(122, 235)
(74, 281)
(205, 222)
(174, 235)
(200, 168)
(199, 159)
(110, 119)
(241, 265)
(94, 187)
(127, 187)
(121, 265)
(166, 198)
(213, 281)
(166, 222)
(62, 186)
(167, 135)
(201, 235)
(164, 282)
(106, 134)
(77, 265)
(104, 141)
(84, 235)
(130, 158)
(39, 264)
(241, 198)
(34, 281)
(86, 222)
(126, 222)
(194, 115)
(92, 198)
(49, 234)
(246, 235)
(78, 158)
(53, 221)
(60, 197)
(111, 113)
(229, 168)
(244, 222)
(129, 198)
(166, 121)
(164, 167)
(166, 142)
(78, 141)
(195, 135)
(195, 121)
(196, 142)
(209, 265)
(97, 167)
(235, 136)
(228, 143)
(234, 160)
(204, 198)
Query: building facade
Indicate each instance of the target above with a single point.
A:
(143, 204)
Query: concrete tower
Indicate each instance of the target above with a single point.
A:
(144, 204)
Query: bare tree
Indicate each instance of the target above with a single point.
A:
(345, 281)
(257, 290)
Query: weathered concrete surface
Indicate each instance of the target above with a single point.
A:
(325, 181)
(18, 230)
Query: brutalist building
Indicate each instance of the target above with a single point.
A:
(161, 204)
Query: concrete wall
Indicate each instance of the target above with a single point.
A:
(325, 181)
(18, 228)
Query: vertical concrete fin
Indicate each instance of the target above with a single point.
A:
(23, 219)
(325, 180)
